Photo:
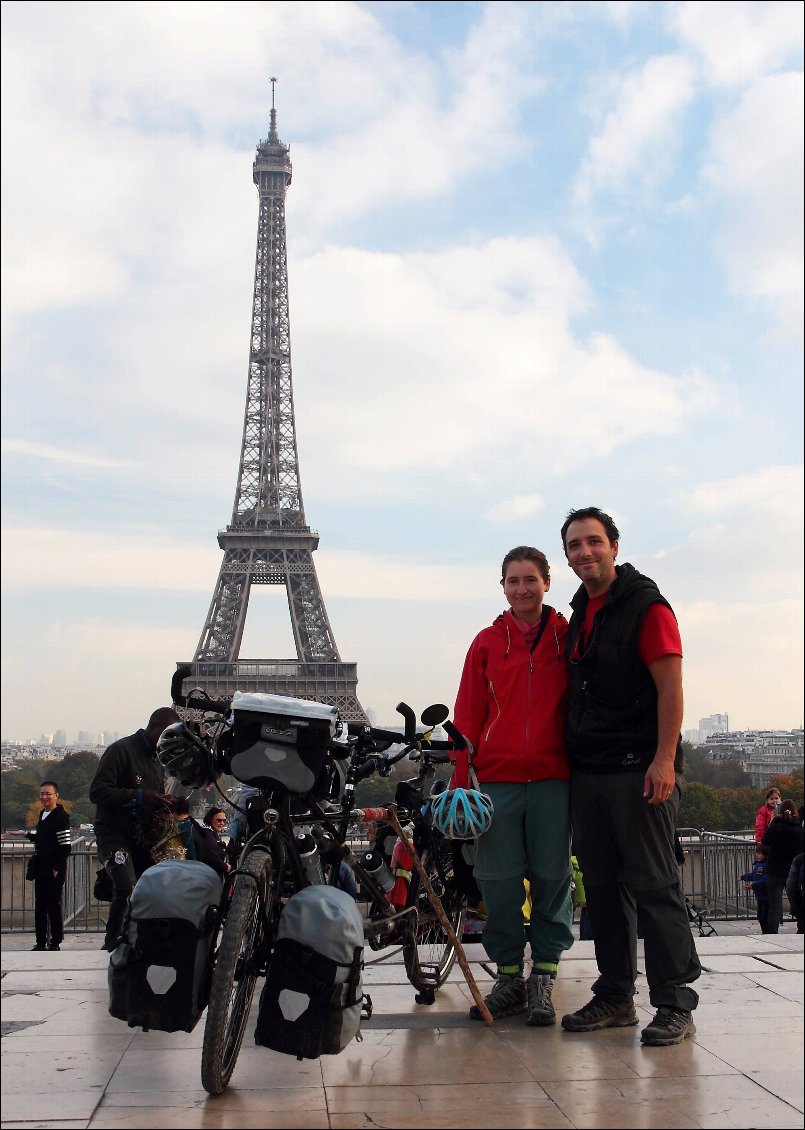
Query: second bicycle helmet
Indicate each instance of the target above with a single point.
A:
(185, 756)
(461, 814)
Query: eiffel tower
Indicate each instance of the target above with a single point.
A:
(268, 541)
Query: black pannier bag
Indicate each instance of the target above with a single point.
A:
(312, 998)
(280, 741)
(159, 971)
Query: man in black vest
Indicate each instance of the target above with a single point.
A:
(625, 750)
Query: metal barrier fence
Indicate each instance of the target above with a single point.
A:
(713, 862)
(81, 910)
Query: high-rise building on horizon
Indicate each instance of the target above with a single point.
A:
(268, 541)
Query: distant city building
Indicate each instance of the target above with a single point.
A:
(60, 739)
(762, 754)
(713, 724)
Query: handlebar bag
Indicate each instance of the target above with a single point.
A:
(311, 1002)
(280, 741)
(159, 971)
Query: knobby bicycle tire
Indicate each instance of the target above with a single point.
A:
(430, 956)
(235, 972)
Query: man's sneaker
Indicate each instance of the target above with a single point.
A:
(600, 1013)
(669, 1026)
(507, 997)
(539, 987)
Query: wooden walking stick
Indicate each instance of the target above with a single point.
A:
(435, 902)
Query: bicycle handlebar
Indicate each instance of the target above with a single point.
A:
(459, 741)
(202, 701)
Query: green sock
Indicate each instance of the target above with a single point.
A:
(551, 967)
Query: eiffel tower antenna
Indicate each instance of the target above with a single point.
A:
(268, 541)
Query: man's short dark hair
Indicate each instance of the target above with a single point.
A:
(161, 719)
(610, 529)
(53, 783)
(526, 553)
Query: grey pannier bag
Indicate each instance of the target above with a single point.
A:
(311, 1002)
(159, 971)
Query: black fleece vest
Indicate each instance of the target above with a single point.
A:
(612, 721)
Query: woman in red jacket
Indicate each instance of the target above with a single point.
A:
(511, 706)
(766, 813)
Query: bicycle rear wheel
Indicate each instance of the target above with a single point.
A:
(236, 967)
(430, 956)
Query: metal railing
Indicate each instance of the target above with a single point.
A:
(82, 912)
(713, 862)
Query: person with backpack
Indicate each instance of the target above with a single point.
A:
(795, 891)
(202, 842)
(784, 838)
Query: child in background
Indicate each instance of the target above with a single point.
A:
(756, 880)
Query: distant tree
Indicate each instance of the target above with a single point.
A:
(738, 807)
(73, 775)
(700, 808)
(19, 789)
(790, 786)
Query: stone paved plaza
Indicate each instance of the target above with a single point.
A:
(67, 1063)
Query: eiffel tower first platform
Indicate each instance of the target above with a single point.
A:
(268, 541)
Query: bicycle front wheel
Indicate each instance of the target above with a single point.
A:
(236, 967)
(430, 955)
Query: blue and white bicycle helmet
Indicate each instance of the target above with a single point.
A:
(462, 814)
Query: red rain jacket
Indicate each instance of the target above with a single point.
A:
(512, 703)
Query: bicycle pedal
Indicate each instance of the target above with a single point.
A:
(367, 1007)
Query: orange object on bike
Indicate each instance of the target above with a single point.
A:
(402, 863)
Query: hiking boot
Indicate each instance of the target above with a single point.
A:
(54, 946)
(539, 987)
(600, 1013)
(669, 1026)
(507, 997)
(39, 946)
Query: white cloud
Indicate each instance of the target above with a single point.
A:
(515, 509)
(61, 456)
(739, 42)
(775, 493)
(745, 535)
(755, 171)
(40, 559)
(638, 136)
(493, 358)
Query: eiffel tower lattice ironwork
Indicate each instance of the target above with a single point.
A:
(268, 541)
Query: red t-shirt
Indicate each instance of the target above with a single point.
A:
(659, 632)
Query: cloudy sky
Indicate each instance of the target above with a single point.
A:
(541, 256)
